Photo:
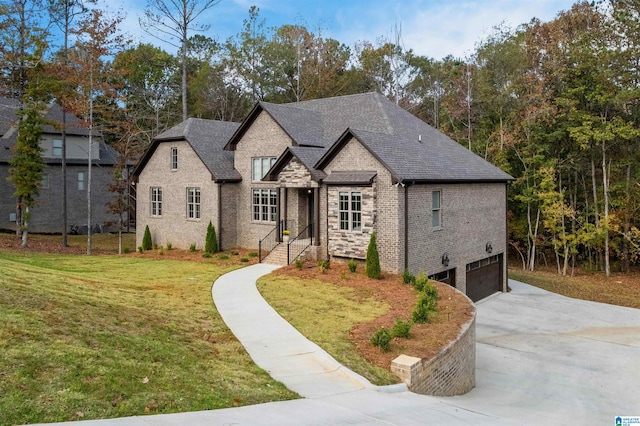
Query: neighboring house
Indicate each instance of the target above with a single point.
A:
(333, 171)
(46, 217)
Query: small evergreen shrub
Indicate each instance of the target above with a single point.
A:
(427, 302)
(343, 275)
(420, 281)
(223, 257)
(244, 259)
(401, 329)
(126, 250)
(169, 246)
(408, 277)
(206, 255)
(160, 250)
(192, 248)
(234, 253)
(147, 244)
(353, 265)
(372, 265)
(381, 338)
(299, 263)
(253, 254)
(211, 240)
(140, 249)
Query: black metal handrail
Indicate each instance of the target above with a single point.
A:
(272, 239)
(297, 245)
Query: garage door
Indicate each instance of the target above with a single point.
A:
(484, 277)
(446, 277)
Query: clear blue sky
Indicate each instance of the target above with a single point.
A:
(429, 27)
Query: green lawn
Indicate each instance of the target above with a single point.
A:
(106, 336)
(325, 314)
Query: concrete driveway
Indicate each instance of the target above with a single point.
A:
(542, 359)
(548, 359)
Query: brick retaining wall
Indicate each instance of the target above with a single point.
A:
(451, 372)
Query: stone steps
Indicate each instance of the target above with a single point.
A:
(278, 255)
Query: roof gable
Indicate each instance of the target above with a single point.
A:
(207, 138)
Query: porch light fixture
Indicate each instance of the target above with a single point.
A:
(445, 259)
(488, 247)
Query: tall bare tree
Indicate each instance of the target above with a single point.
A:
(171, 21)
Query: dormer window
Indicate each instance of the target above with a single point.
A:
(174, 158)
(56, 148)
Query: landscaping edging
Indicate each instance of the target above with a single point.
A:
(451, 372)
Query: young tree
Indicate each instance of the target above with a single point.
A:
(26, 165)
(63, 13)
(372, 265)
(211, 241)
(172, 21)
(119, 205)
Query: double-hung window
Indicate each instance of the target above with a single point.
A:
(44, 183)
(350, 211)
(156, 201)
(261, 166)
(174, 158)
(81, 181)
(265, 205)
(56, 148)
(436, 209)
(193, 203)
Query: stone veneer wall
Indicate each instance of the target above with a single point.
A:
(451, 372)
(349, 243)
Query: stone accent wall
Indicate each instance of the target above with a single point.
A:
(173, 226)
(472, 215)
(344, 243)
(296, 175)
(264, 138)
(451, 372)
(388, 204)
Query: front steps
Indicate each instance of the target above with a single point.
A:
(278, 255)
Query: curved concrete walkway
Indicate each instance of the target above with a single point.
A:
(541, 359)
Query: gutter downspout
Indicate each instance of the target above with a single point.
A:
(316, 213)
(406, 227)
(219, 224)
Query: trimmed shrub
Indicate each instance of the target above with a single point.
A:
(381, 338)
(372, 266)
(147, 244)
(206, 255)
(211, 241)
(420, 281)
(169, 246)
(401, 329)
(408, 277)
(244, 259)
(126, 250)
(223, 257)
(324, 264)
(299, 263)
(234, 253)
(140, 250)
(353, 265)
(253, 254)
(192, 248)
(427, 302)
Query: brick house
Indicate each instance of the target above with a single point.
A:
(46, 217)
(331, 171)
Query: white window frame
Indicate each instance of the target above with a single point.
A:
(193, 203)
(350, 210)
(174, 158)
(260, 166)
(155, 201)
(264, 205)
(436, 209)
(44, 182)
(56, 151)
(81, 181)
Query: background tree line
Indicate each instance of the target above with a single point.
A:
(555, 103)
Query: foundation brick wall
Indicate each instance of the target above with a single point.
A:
(451, 372)
(173, 226)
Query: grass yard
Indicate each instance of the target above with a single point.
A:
(621, 289)
(326, 313)
(109, 336)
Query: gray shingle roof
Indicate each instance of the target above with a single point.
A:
(350, 177)
(388, 131)
(208, 138)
